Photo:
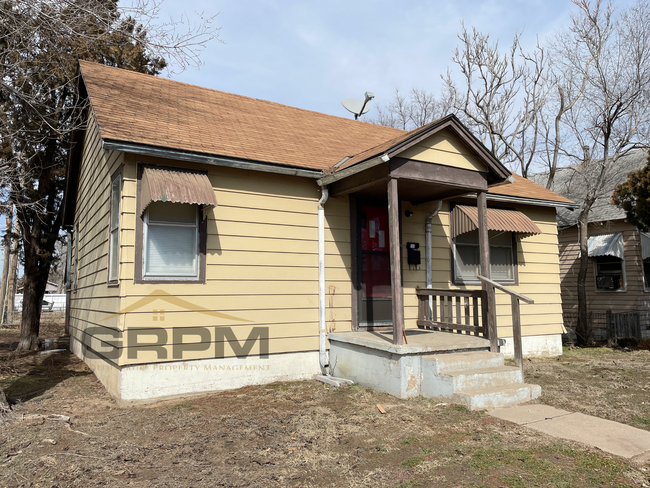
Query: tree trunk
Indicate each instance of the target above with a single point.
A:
(6, 264)
(583, 327)
(13, 273)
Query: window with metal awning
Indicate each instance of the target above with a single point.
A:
(170, 230)
(175, 185)
(607, 250)
(503, 226)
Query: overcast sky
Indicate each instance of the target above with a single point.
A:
(313, 54)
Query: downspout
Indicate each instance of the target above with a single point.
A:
(427, 227)
(322, 331)
(68, 274)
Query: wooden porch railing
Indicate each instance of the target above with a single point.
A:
(459, 311)
(465, 312)
(516, 316)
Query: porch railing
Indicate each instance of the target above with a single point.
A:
(459, 311)
(516, 316)
(466, 311)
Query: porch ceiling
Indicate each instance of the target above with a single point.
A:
(418, 181)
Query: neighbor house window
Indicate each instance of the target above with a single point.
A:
(610, 273)
(607, 252)
(114, 239)
(467, 262)
(171, 241)
(645, 255)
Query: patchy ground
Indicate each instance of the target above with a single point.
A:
(608, 383)
(288, 434)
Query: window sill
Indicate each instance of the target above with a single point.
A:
(113, 284)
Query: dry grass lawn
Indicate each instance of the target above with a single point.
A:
(304, 433)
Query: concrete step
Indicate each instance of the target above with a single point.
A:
(495, 397)
(468, 379)
(442, 363)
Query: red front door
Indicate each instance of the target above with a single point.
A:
(376, 295)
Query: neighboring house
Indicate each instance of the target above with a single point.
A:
(202, 259)
(618, 277)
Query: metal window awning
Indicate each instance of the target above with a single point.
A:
(464, 219)
(175, 185)
(645, 245)
(606, 245)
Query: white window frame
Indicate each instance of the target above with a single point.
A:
(145, 243)
(623, 287)
(114, 244)
(460, 281)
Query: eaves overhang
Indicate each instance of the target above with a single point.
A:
(210, 159)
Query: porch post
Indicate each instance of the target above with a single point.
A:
(484, 249)
(395, 262)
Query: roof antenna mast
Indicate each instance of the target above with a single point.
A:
(358, 107)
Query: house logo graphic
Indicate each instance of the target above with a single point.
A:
(159, 314)
(110, 343)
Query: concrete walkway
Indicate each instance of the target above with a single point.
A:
(619, 439)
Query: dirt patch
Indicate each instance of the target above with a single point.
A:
(282, 434)
(608, 383)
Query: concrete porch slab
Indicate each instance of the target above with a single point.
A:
(419, 341)
(371, 358)
(612, 437)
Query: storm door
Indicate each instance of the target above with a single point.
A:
(375, 303)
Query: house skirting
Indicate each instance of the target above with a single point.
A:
(143, 383)
(534, 346)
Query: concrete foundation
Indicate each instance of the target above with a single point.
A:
(535, 346)
(145, 383)
(371, 359)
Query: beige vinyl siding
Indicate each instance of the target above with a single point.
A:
(446, 149)
(262, 265)
(93, 300)
(631, 299)
(538, 269)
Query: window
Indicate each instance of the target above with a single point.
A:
(646, 274)
(645, 255)
(114, 238)
(467, 262)
(171, 241)
(610, 273)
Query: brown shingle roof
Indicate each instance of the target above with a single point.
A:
(144, 109)
(527, 189)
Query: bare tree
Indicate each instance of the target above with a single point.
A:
(421, 108)
(501, 95)
(605, 58)
(40, 43)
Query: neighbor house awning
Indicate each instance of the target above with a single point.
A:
(606, 245)
(465, 219)
(161, 184)
(645, 245)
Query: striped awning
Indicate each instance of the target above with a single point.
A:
(645, 245)
(606, 245)
(465, 219)
(175, 185)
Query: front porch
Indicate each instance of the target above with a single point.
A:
(434, 364)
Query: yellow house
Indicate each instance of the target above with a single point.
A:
(220, 241)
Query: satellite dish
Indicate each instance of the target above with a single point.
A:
(358, 107)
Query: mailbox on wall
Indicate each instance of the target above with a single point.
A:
(413, 253)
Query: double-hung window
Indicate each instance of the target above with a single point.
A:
(467, 262)
(171, 241)
(114, 238)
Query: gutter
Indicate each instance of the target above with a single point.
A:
(352, 170)
(529, 201)
(427, 227)
(322, 330)
(181, 155)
